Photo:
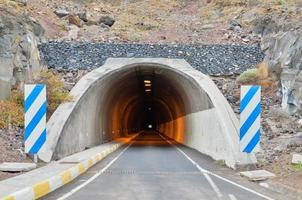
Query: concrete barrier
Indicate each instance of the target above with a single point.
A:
(111, 101)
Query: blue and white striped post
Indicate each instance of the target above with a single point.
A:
(35, 117)
(250, 110)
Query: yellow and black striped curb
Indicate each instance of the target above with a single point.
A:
(45, 187)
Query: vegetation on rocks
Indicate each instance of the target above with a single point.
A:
(250, 76)
(297, 167)
(260, 75)
(11, 111)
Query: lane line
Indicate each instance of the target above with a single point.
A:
(232, 197)
(209, 179)
(217, 176)
(213, 185)
(65, 196)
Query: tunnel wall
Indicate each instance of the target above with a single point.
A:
(199, 116)
(195, 133)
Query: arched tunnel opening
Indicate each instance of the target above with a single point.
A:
(126, 96)
(149, 98)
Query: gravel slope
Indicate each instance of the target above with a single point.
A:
(209, 59)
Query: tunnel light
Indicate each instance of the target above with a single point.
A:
(147, 81)
(148, 90)
(147, 84)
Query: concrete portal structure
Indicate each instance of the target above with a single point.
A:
(127, 95)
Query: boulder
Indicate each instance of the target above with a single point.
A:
(234, 23)
(61, 13)
(90, 19)
(109, 21)
(257, 175)
(83, 16)
(297, 159)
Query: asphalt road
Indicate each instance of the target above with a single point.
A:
(153, 168)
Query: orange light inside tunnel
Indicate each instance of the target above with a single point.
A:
(131, 110)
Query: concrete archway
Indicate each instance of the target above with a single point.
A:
(127, 95)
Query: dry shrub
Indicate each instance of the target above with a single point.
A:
(11, 111)
(56, 94)
(263, 70)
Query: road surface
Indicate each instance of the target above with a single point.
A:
(154, 168)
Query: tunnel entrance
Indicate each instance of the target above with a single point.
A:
(127, 95)
(149, 96)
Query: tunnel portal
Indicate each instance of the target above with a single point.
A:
(126, 96)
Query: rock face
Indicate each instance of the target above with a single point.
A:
(282, 44)
(19, 55)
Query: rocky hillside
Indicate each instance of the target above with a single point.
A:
(19, 55)
(275, 25)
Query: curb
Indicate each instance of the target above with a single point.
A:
(49, 185)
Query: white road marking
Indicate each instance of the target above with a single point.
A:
(240, 186)
(209, 179)
(232, 197)
(65, 196)
(217, 176)
(213, 185)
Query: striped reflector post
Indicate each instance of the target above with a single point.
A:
(35, 117)
(250, 110)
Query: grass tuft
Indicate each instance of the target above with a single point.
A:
(250, 76)
(220, 162)
(297, 167)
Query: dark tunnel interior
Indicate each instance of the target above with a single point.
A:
(149, 98)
